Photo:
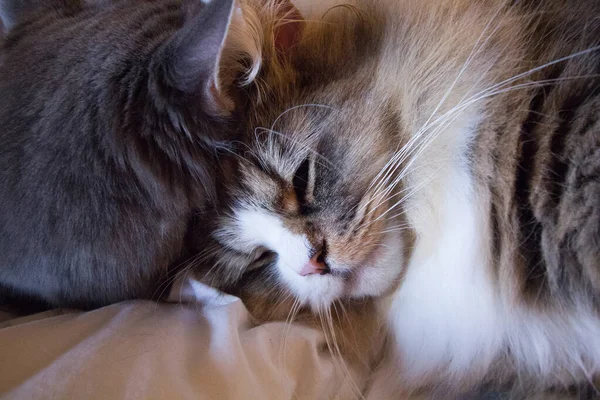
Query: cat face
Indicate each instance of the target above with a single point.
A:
(309, 218)
(308, 209)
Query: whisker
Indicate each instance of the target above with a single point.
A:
(397, 228)
(541, 67)
(189, 264)
(478, 97)
(404, 211)
(471, 56)
(328, 340)
(391, 187)
(297, 107)
(350, 329)
(411, 192)
(490, 91)
(345, 370)
(467, 62)
(288, 327)
(281, 302)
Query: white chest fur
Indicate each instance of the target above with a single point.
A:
(448, 318)
(446, 312)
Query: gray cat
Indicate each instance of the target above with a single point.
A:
(111, 115)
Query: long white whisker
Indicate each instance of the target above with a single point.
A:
(297, 107)
(390, 230)
(345, 370)
(287, 329)
(468, 61)
(349, 327)
(541, 67)
(411, 193)
(448, 116)
(285, 298)
(401, 155)
(384, 195)
(471, 56)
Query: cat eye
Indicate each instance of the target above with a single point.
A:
(301, 181)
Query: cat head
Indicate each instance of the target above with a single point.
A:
(165, 78)
(307, 211)
(309, 217)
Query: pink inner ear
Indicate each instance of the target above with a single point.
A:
(289, 32)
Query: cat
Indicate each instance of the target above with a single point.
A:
(114, 115)
(441, 159)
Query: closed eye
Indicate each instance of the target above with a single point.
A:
(302, 187)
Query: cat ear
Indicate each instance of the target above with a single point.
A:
(288, 31)
(221, 46)
(192, 59)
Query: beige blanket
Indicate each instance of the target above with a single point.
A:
(207, 349)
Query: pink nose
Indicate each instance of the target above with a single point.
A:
(315, 266)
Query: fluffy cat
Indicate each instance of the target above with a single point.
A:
(444, 158)
(112, 114)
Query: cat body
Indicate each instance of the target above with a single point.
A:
(112, 114)
(444, 158)
(502, 280)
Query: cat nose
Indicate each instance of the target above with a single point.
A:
(316, 265)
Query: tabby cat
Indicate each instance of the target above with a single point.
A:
(111, 117)
(444, 159)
